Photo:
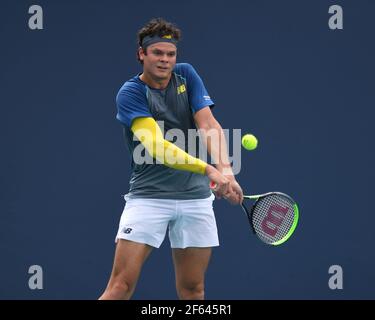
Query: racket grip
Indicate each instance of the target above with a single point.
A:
(213, 185)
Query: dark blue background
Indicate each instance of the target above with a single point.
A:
(274, 68)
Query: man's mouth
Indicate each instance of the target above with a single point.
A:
(162, 68)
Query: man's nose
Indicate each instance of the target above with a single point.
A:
(164, 57)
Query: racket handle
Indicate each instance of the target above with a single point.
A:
(213, 185)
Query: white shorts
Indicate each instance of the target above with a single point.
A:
(191, 222)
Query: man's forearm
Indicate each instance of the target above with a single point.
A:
(214, 139)
(148, 132)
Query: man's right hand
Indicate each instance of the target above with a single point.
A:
(222, 184)
(236, 197)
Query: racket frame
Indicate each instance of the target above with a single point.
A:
(249, 214)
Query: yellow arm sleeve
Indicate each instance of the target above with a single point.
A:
(148, 132)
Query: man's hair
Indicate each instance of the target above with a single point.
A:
(157, 27)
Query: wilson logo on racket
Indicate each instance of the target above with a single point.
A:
(274, 218)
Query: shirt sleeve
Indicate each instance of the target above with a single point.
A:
(197, 93)
(131, 103)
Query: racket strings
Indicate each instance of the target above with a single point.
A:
(273, 217)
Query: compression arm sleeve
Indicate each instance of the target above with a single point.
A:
(149, 133)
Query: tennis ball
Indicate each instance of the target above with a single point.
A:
(249, 142)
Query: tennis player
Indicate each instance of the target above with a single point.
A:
(172, 192)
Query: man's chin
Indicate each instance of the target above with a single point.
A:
(162, 75)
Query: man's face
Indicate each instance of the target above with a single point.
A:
(160, 59)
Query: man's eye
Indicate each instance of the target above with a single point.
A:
(171, 54)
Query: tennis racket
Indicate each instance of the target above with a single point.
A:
(273, 216)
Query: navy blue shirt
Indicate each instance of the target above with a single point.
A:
(173, 108)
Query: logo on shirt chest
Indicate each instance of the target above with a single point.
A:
(181, 89)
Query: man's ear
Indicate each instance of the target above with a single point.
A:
(141, 53)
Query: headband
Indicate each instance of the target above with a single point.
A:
(148, 40)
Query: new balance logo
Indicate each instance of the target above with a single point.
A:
(127, 230)
(181, 89)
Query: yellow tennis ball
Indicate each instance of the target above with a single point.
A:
(249, 142)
